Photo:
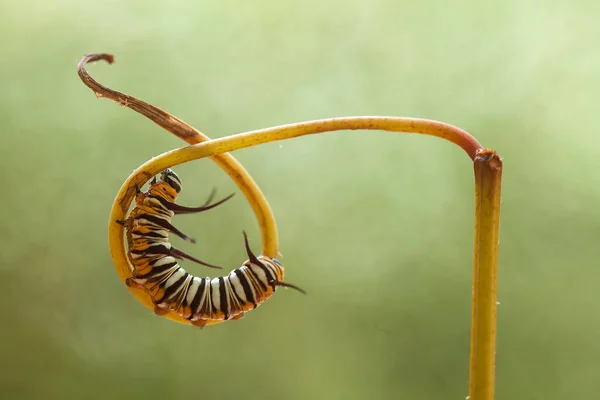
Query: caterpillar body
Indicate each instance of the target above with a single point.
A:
(156, 268)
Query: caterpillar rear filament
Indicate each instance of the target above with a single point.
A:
(156, 268)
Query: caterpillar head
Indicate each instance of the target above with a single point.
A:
(171, 179)
(167, 186)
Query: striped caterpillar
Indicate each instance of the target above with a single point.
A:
(156, 268)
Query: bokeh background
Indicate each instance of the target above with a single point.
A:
(377, 227)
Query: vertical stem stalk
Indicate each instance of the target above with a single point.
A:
(488, 178)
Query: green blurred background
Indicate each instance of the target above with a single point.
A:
(377, 227)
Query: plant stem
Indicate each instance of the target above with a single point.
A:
(488, 175)
(488, 180)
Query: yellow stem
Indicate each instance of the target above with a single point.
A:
(488, 179)
(218, 146)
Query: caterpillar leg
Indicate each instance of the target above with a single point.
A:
(160, 311)
(129, 282)
(127, 222)
(201, 323)
(123, 222)
(239, 316)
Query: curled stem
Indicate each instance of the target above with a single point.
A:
(189, 134)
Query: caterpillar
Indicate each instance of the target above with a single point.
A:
(156, 268)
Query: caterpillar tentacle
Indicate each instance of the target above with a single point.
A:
(180, 255)
(179, 209)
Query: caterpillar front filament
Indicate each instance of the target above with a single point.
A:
(156, 268)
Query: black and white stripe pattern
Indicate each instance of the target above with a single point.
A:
(200, 299)
(157, 270)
